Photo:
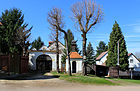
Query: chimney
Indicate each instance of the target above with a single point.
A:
(50, 42)
(73, 45)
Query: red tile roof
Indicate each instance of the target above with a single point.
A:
(0, 23)
(75, 55)
(129, 54)
(101, 55)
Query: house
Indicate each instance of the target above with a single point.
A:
(76, 63)
(100, 60)
(44, 59)
(75, 60)
(133, 61)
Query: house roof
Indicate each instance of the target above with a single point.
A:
(75, 55)
(101, 55)
(129, 54)
(51, 43)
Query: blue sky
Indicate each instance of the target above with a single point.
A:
(125, 12)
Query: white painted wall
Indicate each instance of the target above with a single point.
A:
(102, 60)
(135, 64)
(53, 46)
(33, 56)
(78, 65)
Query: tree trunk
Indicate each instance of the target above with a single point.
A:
(57, 52)
(68, 53)
(84, 54)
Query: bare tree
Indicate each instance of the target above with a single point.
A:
(55, 36)
(56, 23)
(22, 38)
(86, 14)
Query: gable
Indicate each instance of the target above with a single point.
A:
(44, 48)
(134, 58)
(101, 55)
(53, 46)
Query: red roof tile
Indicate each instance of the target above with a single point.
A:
(0, 23)
(101, 55)
(129, 54)
(75, 55)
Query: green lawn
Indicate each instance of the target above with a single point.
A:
(130, 81)
(78, 78)
(85, 79)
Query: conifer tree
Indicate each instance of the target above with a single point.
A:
(70, 38)
(37, 43)
(11, 28)
(90, 53)
(115, 36)
(101, 48)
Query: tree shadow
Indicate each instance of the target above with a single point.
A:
(29, 76)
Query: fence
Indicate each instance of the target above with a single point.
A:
(24, 64)
(114, 72)
(4, 63)
(13, 64)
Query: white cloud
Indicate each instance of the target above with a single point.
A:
(132, 36)
(135, 27)
(130, 25)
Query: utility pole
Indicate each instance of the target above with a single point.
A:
(118, 58)
(118, 53)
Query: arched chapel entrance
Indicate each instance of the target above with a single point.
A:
(44, 63)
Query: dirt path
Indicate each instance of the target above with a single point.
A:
(57, 85)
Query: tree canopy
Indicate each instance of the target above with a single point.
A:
(115, 36)
(37, 43)
(90, 53)
(70, 39)
(11, 28)
(86, 14)
(102, 47)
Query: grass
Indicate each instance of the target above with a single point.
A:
(130, 81)
(78, 78)
(92, 79)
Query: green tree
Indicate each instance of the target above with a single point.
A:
(12, 21)
(102, 47)
(70, 38)
(115, 36)
(90, 53)
(37, 43)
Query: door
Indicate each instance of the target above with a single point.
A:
(74, 67)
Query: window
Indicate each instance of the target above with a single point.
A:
(131, 60)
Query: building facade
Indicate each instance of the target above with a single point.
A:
(134, 63)
(44, 59)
